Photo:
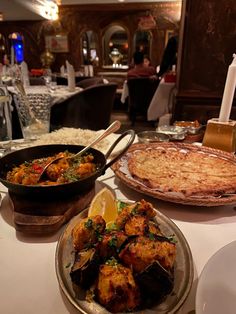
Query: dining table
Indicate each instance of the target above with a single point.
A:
(162, 101)
(58, 93)
(27, 262)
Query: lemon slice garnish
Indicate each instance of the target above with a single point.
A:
(104, 204)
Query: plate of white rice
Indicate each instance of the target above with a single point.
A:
(82, 137)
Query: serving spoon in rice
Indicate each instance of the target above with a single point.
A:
(112, 128)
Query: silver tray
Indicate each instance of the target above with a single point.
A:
(183, 270)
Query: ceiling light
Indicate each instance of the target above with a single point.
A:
(49, 10)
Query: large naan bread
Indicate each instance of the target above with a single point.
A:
(182, 171)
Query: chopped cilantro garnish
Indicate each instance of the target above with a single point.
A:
(151, 236)
(113, 242)
(172, 239)
(88, 224)
(135, 210)
(112, 261)
(120, 206)
(99, 237)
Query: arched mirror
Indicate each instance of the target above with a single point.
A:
(89, 48)
(115, 46)
(142, 41)
(17, 48)
(2, 47)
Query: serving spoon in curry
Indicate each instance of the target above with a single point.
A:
(112, 128)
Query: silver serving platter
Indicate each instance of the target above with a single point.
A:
(183, 270)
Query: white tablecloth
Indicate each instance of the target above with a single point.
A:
(162, 101)
(27, 263)
(124, 93)
(58, 95)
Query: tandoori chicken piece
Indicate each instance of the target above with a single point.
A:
(153, 228)
(116, 288)
(136, 225)
(139, 208)
(143, 251)
(110, 244)
(55, 170)
(87, 232)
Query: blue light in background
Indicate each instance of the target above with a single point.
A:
(19, 54)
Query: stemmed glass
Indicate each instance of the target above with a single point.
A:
(47, 75)
(5, 120)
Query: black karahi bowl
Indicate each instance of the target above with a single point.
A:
(62, 190)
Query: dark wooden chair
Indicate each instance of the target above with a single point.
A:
(63, 80)
(36, 81)
(141, 91)
(90, 82)
(89, 109)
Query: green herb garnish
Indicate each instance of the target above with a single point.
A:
(112, 261)
(151, 236)
(89, 223)
(113, 242)
(120, 206)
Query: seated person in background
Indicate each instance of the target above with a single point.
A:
(139, 69)
(147, 61)
(169, 56)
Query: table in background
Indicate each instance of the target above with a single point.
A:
(124, 92)
(162, 101)
(27, 273)
(58, 94)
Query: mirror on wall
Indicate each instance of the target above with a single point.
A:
(89, 48)
(115, 47)
(142, 41)
(2, 47)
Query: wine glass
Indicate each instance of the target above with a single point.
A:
(47, 75)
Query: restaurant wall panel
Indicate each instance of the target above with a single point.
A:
(208, 42)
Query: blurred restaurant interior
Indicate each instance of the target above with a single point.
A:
(117, 156)
(88, 33)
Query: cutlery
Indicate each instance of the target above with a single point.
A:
(111, 129)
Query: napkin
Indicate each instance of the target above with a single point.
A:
(86, 70)
(70, 77)
(62, 70)
(24, 74)
(90, 70)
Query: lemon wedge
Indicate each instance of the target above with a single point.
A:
(104, 204)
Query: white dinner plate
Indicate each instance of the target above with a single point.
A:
(216, 291)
